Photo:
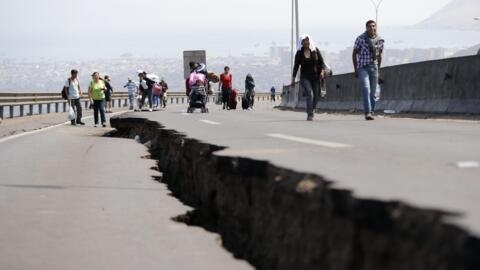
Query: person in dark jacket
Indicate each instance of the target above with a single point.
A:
(309, 58)
(250, 90)
(164, 85)
(146, 85)
(272, 94)
(108, 94)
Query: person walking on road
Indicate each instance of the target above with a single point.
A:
(146, 85)
(309, 58)
(96, 94)
(226, 87)
(250, 91)
(367, 59)
(74, 95)
(132, 90)
(108, 94)
(272, 94)
(164, 85)
(156, 95)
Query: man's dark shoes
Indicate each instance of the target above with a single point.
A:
(81, 123)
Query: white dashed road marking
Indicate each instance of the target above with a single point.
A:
(309, 141)
(467, 164)
(209, 122)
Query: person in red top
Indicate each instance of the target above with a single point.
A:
(226, 86)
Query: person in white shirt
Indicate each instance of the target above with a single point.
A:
(132, 90)
(74, 96)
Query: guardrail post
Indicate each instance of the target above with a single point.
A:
(171, 100)
(177, 100)
(1, 112)
(125, 104)
(40, 108)
(30, 109)
(64, 106)
(48, 108)
(56, 107)
(11, 111)
(86, 104)
(119, 103)
(21, 111)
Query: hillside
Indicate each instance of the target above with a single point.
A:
(469, 51)
(456, 15)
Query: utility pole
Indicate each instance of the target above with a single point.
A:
(295, 31)
(292, 35)
(376, 5)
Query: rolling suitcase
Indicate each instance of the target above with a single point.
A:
(244, 102)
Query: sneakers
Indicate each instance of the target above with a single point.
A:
(310, 118)
(104, 125)
(369, 117)
(96, 125)
(150, 110)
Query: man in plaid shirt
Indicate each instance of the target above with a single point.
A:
(367, 58)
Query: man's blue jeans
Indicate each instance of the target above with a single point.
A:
(131, 100)
(368, 76)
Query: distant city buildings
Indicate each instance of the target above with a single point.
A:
(269, 70)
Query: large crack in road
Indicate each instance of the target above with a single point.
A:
(277, 218)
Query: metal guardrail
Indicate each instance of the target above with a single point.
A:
(24, 104)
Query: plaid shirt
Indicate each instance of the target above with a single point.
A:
(364, 55)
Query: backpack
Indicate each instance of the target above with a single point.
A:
(65, 90)
(157, 89)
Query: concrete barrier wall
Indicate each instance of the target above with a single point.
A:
(440, 86)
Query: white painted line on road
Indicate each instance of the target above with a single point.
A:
(467, 165)
(47, 128)
(309, 141)
(209, 122)
(30, 132)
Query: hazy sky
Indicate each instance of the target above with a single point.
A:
(40, 27)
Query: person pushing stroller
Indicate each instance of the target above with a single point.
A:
(197, 93)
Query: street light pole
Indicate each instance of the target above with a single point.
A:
(295, 30)
(292, 35)
(376, 5)
(296, 21)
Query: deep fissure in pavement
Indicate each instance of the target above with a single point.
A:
(281, 219)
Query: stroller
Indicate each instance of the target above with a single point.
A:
(197, 94)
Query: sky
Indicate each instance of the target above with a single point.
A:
(96, 28)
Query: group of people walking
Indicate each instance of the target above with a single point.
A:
(149, 88)
(229, 95)
(366, 58)
(99, 95)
